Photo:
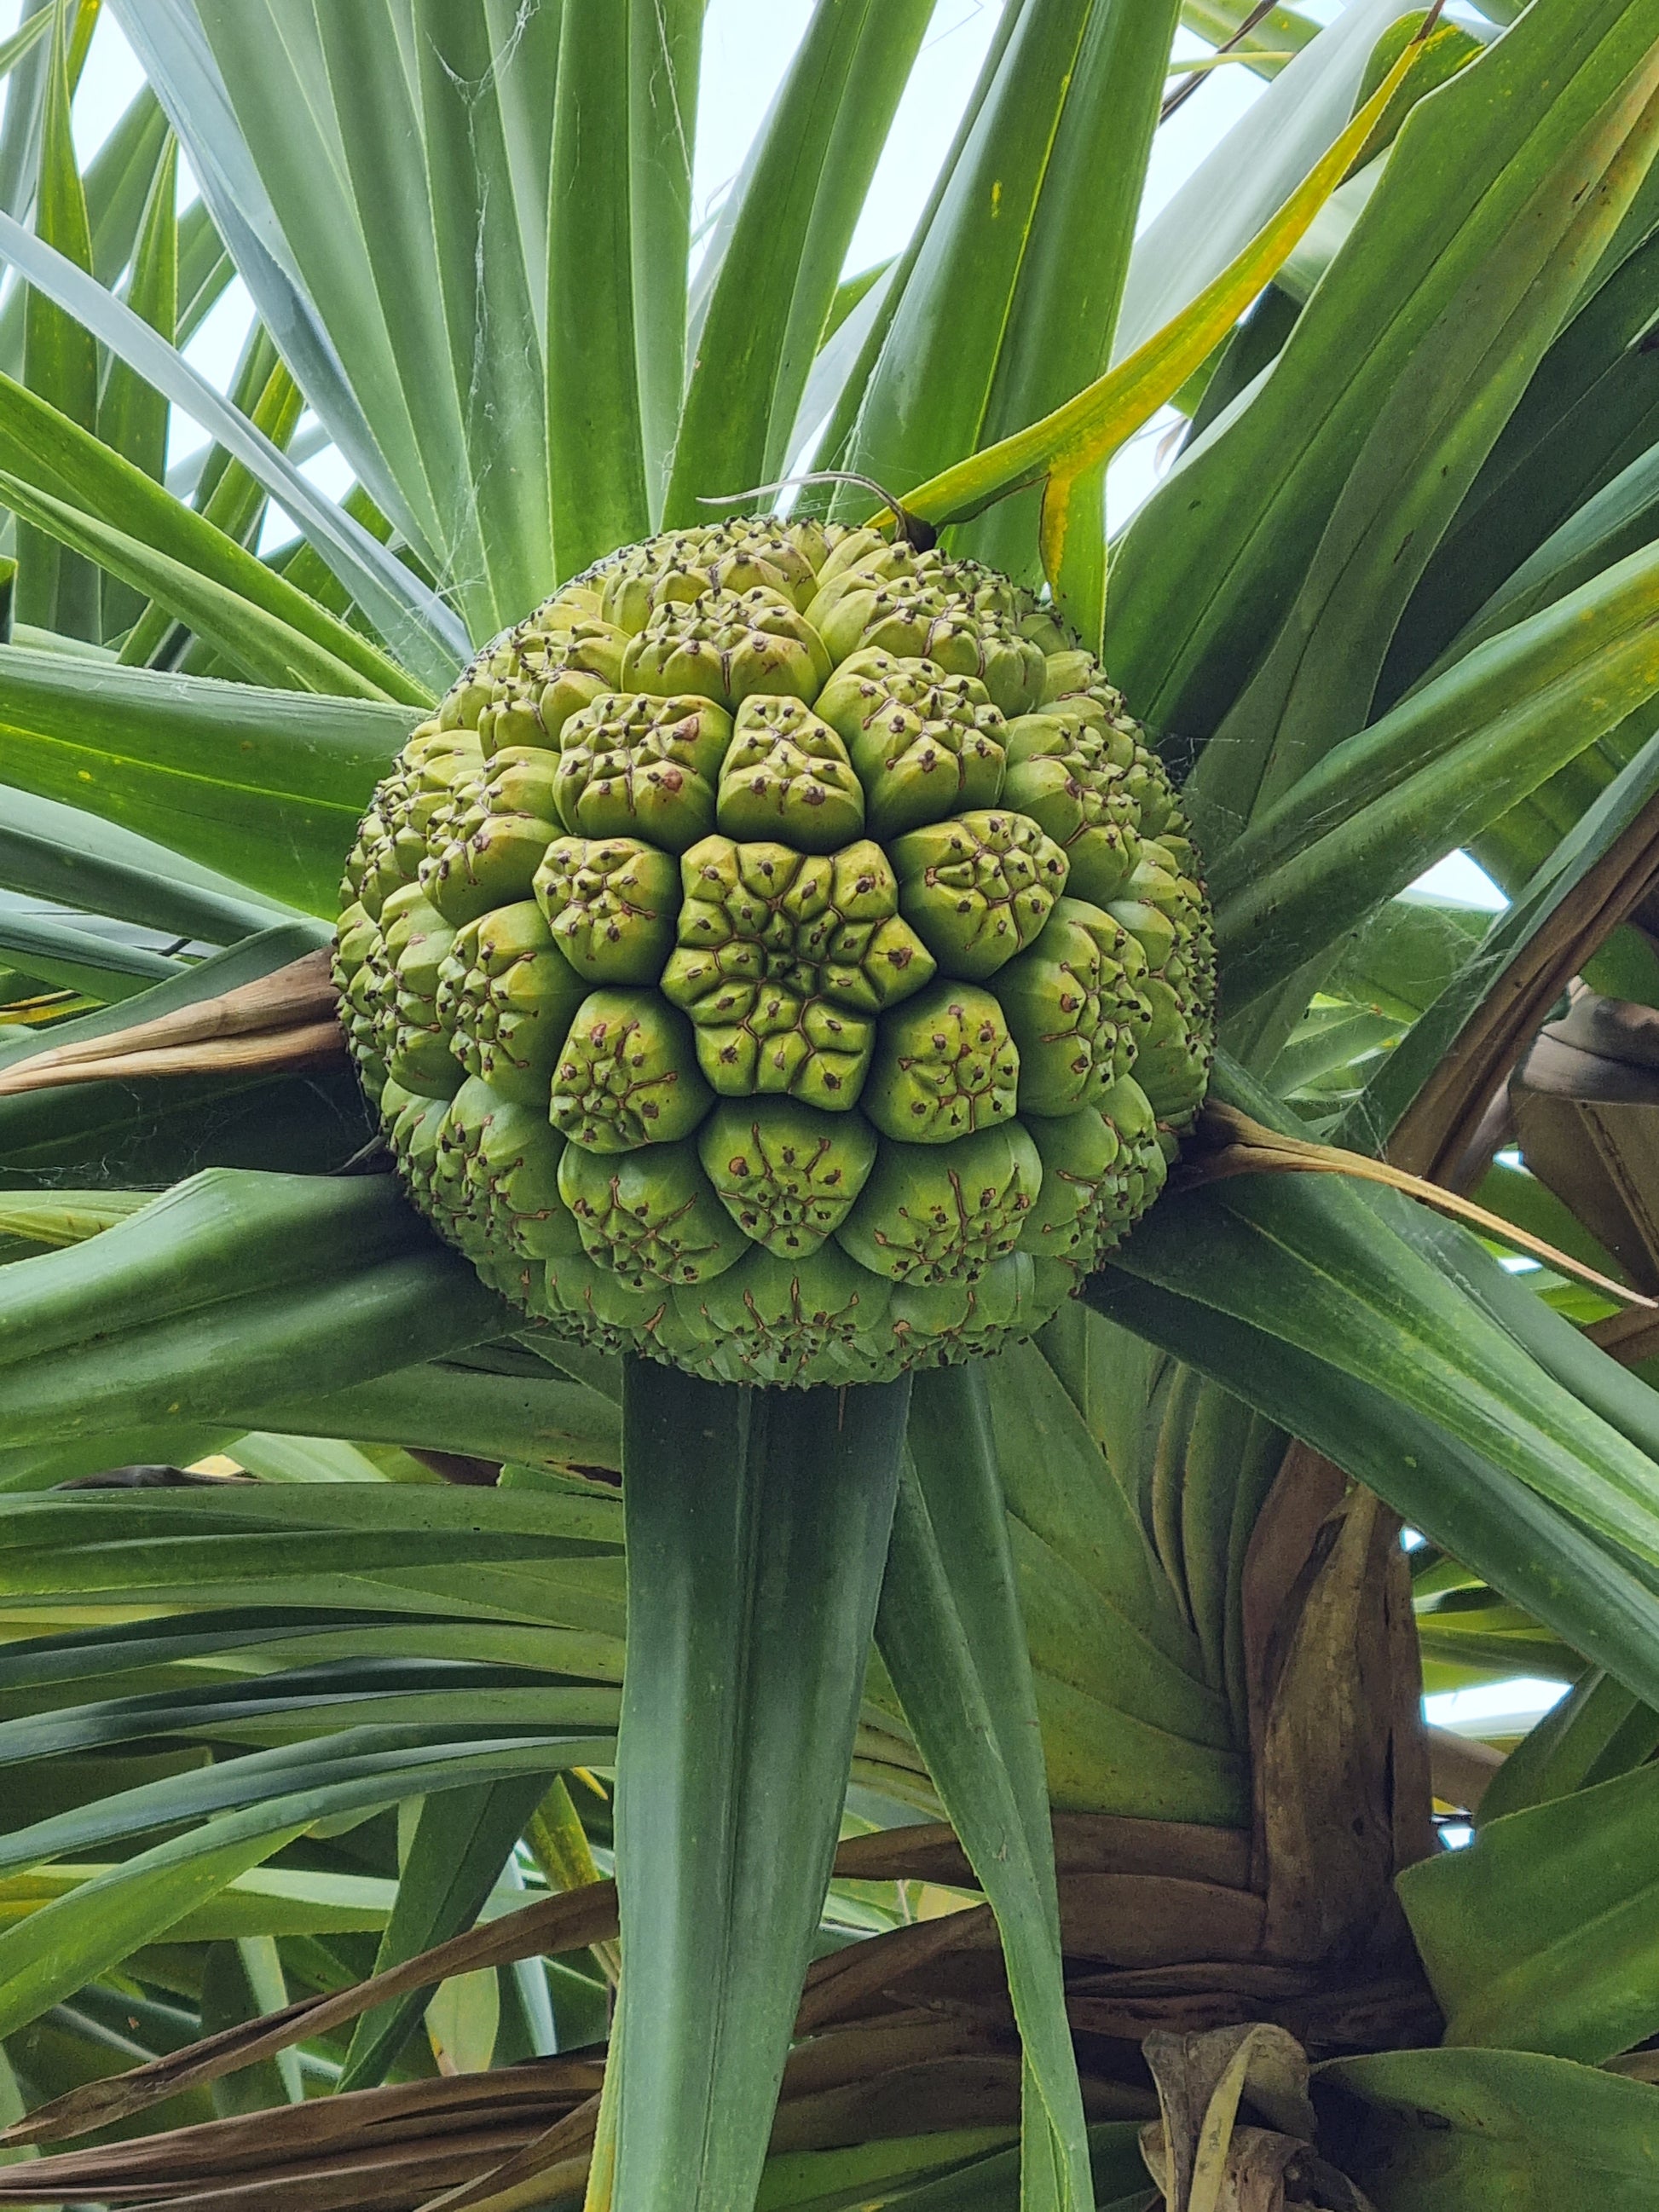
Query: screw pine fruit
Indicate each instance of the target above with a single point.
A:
(780, 956)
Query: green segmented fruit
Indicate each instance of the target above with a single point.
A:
(395, 836)
(931, 1214)
(359, 968)
(961, 617)
(415, 1048)
(947, 1066)
(412, 1120)
(1167, 916)
(787, 775)
(522, 688)
(725, 646)
(787, 1174)
(782, 961)
(610, 904)
(1073, 1008)
(631, 767)
(487, 838)
(506, 996)
(978, 889)
(496, 1174)
(650, 1219)
(1101, 1169)
(1081, 781)
(924, 744)
(782, 955)
(772, 1321)
(685, 564)
(625, 1075)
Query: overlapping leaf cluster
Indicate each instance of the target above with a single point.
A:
(1394, 595)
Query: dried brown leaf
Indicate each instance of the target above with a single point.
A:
(1438, 1126)
(282, 1021)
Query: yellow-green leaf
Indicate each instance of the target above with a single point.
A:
(1067, 445)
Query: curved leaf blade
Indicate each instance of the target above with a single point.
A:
(417, 625)
(266, 786)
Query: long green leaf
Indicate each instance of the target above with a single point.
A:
(390, 219)
(400, 1567)
(73, 959)
(1066, 447)
(663, 63)
(233, 500)
(78, 1935)
(1587, 415)
(55, 589)
(1616, 521)
(1212, 564)
(1130, 1723)
(1541, 1936)
(256, 1906)
(224, 1281)
(766, 285)
(444, 1407)
(63, 854)
(419, 627)
(1063, 318)
(1244, 180)
(204, 270)
(36, 24)
(206, 101)
(1438, 422)
(596, 451)
(345, 1770)
(1432, 1039)
(20, 141)
(266, 786)
(262, 1635)
(925, 398)
(118, 181)
(757, 1524)
(132, 417)
(269, 649)
(486, 288)
(241, 1980)
(462, 1840)
(55, 457)
(292, 1705)
(370, 144)
(1442, 766)
(1588, 1591)
(1308, 1305)
(846, 364)
(950, 1632)
(63, 1217)
(1598, 1731)
(1496, 2131)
